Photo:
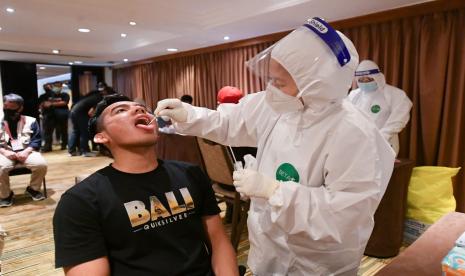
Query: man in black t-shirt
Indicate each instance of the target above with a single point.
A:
(139, 215)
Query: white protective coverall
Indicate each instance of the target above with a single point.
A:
(319, 222)
(388, 106)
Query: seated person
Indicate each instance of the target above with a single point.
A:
(19, 147)
(139, 215)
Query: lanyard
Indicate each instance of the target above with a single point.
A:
(19, 130)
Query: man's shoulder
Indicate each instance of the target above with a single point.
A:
(178, 165)
(90, 185)
(183, 172)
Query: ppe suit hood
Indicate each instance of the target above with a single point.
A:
(368, 68)
(321, 80)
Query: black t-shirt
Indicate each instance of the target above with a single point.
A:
(146, 224)
(86, 103)
(54, 97)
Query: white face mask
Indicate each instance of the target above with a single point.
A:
(368, 86)
(280, 101)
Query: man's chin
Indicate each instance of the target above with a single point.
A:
(137, 145)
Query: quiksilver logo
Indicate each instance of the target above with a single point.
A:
(317, 25)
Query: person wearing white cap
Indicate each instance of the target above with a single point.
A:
(322, 166)
(388, 106)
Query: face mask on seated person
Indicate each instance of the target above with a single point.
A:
(11, 114)
(368, 86)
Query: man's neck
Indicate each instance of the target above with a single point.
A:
(135, 160)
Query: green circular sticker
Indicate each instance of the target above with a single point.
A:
(287, 172)
(375, 108)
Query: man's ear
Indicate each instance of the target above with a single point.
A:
(100, 138)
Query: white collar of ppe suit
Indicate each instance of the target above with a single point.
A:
(320, 78)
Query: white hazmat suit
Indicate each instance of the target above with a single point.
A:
(388, 106)
(337, 164)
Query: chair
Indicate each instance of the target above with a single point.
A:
(219, 166)
(24, 170)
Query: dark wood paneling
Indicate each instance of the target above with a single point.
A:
(21, 78)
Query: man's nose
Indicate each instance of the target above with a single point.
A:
(140, 109)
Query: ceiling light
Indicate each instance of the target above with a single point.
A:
(70, 63)
(125, 60)
(0, 28)
(132, 23)
(123, 35)
(172, 50)
(55, 51)
(42, 67)
(83, 30)
(10, 10)
(226, 38)
(78, 62)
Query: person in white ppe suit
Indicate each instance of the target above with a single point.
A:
(388, 106)
(322, 166)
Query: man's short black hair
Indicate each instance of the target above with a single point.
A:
(95, 121)
(187, 99)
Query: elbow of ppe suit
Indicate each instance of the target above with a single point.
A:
(387, 135)
(317, 213)
(394, 126)
(295, 217)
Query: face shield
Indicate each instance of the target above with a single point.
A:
(263, 65)
(368, 76)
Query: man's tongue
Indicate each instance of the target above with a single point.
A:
(145, 127)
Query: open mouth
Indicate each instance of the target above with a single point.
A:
(142, 121)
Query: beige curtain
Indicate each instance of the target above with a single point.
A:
(87, 82)
(200, 76)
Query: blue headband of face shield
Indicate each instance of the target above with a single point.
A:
(366, 72)
(330, 38)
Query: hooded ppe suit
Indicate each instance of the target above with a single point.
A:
(332, 162)
(388, 106)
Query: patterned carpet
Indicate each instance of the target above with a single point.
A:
(29, 247)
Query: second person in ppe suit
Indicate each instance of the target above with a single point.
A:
(388, 106)
(322, 166)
